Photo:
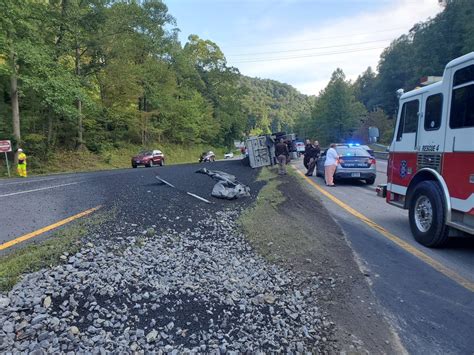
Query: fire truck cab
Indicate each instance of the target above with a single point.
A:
(431, 158)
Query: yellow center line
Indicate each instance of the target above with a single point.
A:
(401, 243)
(47, 228)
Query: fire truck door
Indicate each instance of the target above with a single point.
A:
(407, 129)
(403, 164)
(460, 127)
(458, 161)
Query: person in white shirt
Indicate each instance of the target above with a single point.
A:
(330, 164)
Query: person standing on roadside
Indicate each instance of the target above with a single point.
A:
(313, 153)
(330, 164)
(307, 147)
(21, 167)
(282, 153)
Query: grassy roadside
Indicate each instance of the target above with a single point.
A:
(289, 226)
(261, 235)
(278, 225)
(116, 158)
(47, 253)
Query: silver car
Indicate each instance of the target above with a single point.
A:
(355, 163)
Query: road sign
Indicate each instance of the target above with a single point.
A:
(5, 146)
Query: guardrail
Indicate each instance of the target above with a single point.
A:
(381, 155)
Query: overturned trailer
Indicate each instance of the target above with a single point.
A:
(261, 149)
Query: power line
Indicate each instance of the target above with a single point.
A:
(307, 56)
(317, 39)
(309, 49)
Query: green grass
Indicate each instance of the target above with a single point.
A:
(263, 236)
(47, 253)
(114, 158)
(288, 225)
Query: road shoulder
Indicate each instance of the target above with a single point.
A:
(300, 235)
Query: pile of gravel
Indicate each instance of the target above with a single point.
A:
(199, 290)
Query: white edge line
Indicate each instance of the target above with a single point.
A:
(26, 182)
(40, 189)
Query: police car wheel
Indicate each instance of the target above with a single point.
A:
(370, 181)
(427, 215)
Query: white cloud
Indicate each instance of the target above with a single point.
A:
(310, 70)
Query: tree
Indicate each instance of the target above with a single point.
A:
(365, 89)
(337, 114)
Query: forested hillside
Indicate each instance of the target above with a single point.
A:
(92, 75)
(271, 106)
(98, 75)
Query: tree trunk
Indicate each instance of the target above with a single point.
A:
(50, 128)
(80, 128)
(15, 104)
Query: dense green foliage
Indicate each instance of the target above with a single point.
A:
(271, 106)
(336, 114)
(101, 74)
(108, 74)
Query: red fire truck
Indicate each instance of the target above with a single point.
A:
(431, 158)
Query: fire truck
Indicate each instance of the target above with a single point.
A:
(431, 158)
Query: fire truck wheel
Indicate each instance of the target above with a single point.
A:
(427, 214)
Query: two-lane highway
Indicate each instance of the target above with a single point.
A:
(31, 204)
(458, 255)
(428, 293)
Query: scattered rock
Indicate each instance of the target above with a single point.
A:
(151, 336)
(47, 302)
(198, 289)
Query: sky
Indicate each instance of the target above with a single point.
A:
(300, 42)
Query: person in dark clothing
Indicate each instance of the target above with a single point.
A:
(307, 147)
(313, 155)
(282, 153)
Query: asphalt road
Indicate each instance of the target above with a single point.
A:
(432, 313)
(34, 203)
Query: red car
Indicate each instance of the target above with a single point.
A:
(149, 158)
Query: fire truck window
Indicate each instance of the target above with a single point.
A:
(434, 108)
(464, 75)
(462, 107)
(411, 117)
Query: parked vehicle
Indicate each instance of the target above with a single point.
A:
(431, 157)
(299, 145)
(148, 158)
(207, 157)
(229, 155)
(354, 163)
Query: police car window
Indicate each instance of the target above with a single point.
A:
(359, 152)
(433, 114)
(462, 102)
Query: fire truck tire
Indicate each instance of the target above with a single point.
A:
(427, 213)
